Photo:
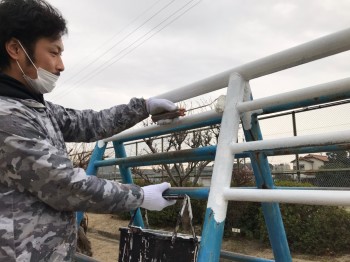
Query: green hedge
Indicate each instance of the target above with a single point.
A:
(310, 229)
(314, 229)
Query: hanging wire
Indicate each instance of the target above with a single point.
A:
(90, 76)
(107, 41)
(116, 44)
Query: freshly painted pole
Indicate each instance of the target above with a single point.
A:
(316, 49)
(306, 149)
(271, 211)
(127, 179)
(184, 123)
(313, 95)
(295, 196)
(330, 138)
(213, 228)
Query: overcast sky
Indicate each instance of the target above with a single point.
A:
(151, 56)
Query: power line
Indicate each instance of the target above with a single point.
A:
(90, 76)
(112, 37)
(117, 43)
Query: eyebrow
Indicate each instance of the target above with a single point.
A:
(60, 49)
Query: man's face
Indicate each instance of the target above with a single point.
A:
(47, 55)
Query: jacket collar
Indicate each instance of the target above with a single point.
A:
(11, 87)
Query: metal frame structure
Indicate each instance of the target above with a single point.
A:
(240, 106)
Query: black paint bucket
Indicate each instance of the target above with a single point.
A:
(139, 245)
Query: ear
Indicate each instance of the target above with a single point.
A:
(13, 48)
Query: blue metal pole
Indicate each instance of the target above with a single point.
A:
(183, 156)
(271, 211)
(91, 169)
(193, 192)
(96, 155)
(198, 154)
(127, 178)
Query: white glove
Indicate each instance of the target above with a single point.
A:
(164, 122)
(153, 199)
(159, 105)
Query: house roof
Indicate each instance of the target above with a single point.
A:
(311, 157)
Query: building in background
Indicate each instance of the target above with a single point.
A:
(309, 164)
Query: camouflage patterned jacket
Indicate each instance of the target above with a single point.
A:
(39, 188)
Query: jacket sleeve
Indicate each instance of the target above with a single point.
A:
(89, 125)
(29, 162)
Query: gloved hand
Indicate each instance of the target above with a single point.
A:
(153, 199)
(159, 105)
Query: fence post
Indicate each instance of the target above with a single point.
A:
(296, 155)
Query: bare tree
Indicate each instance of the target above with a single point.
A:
(180, 173)
(139, 172)
(80, 153)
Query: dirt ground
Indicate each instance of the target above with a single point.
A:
(103, 233)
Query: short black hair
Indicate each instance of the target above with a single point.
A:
(28, 21)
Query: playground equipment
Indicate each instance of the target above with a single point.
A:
(240, 106)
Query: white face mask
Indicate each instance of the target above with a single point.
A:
(45, 82)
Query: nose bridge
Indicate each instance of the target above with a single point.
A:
(60, 64)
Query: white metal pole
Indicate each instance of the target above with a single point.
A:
(187, 120)
(319, 48)
(224, 159)
(313, 92)
(331, 138)
(213, 227)
(308, 197)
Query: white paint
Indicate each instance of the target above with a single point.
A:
(220, 104)
(322, 47)
(192, 119)
(308, 197)
(331, 88)
(222, 171)
(246, 117)
(331, 138)
(100, 143)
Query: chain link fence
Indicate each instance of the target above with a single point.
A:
(321, 169)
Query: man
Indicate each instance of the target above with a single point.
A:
(40, 191)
